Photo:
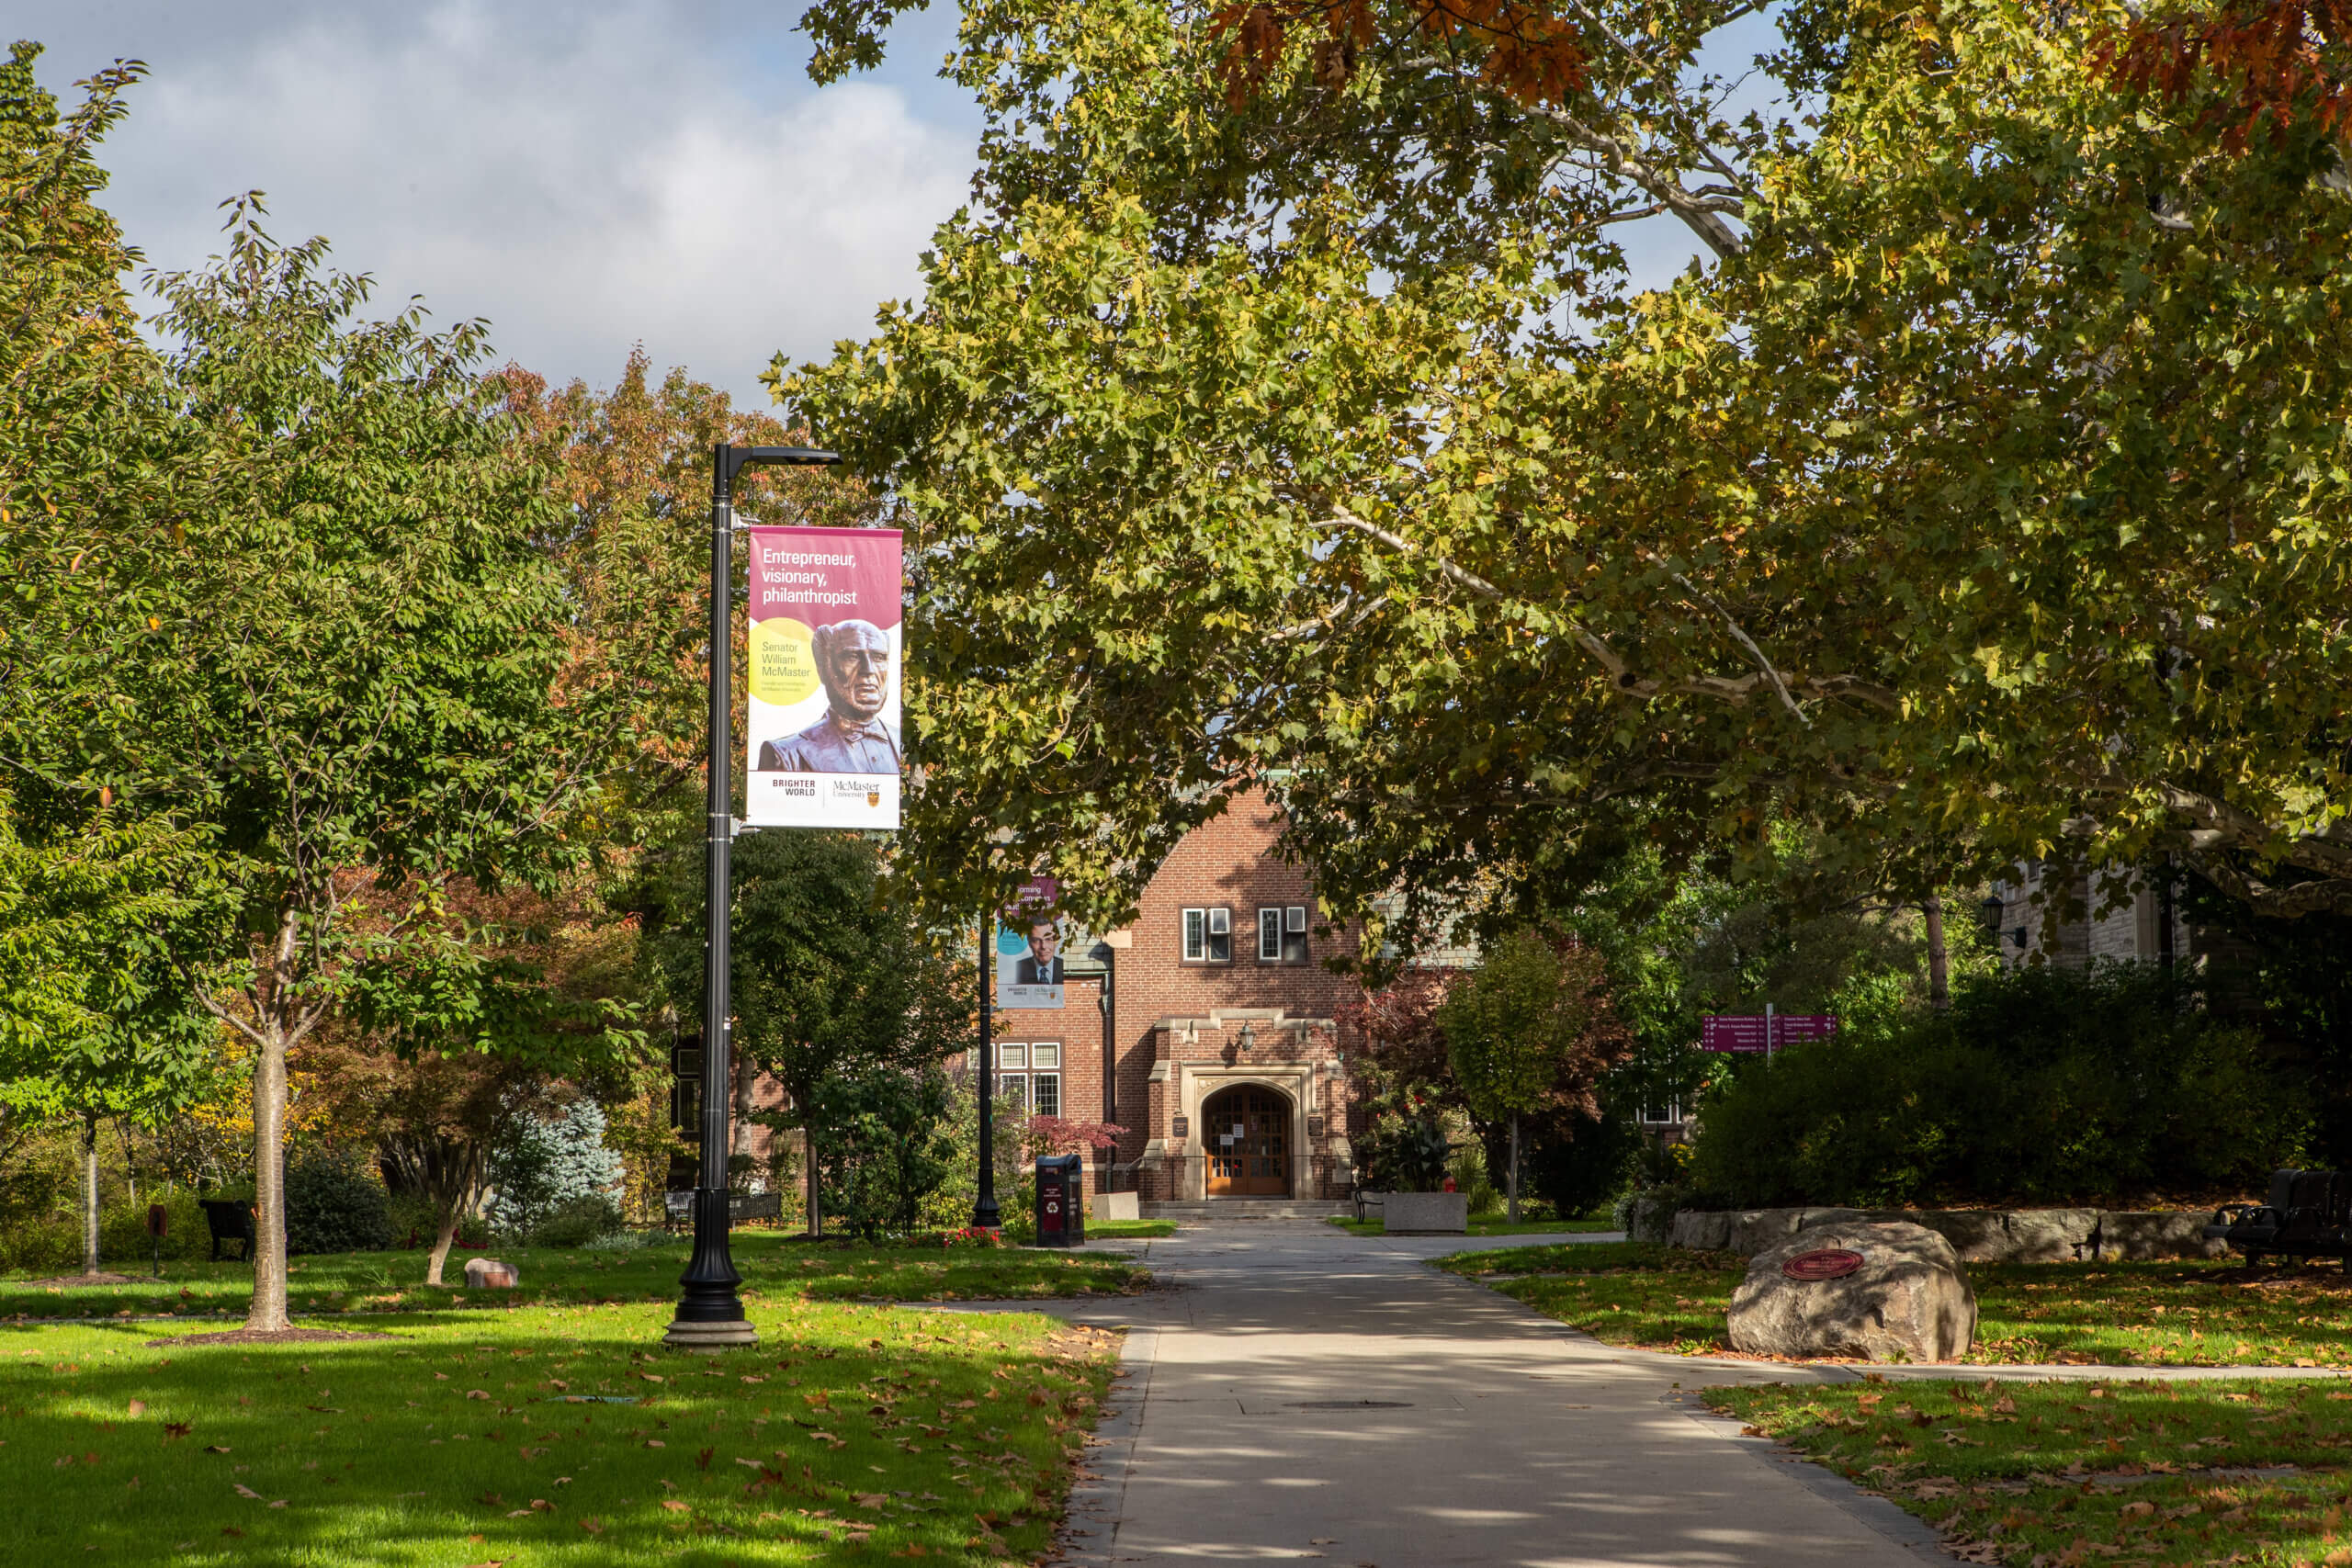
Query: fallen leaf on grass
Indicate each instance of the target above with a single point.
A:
(244, 1489)
(174, 1430)
(138, 1408)
(477, 1393)
(675, 1506)
(215, 1449)
(593, 1525)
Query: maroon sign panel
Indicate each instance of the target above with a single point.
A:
(1749, 1032)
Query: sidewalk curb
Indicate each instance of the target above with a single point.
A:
(1881, 1515)
(1088, 1536)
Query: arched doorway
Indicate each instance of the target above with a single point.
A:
(1245, 1132)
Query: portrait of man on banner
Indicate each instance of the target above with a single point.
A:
(826, 652)
(853, 662)
(1029, 963)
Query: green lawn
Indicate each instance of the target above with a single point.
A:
(393, 1282)
(567, 1436)
(2112, 1472)
(1492, 1226)
(2181, 1314)
(1099, 1230)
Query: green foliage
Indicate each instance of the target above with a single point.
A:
(883, 1146)
(1528, 1016)
(577, 1221)
(2044, 1087)
(1578, 1163)
(839, 991)
(543, 1165)
(335, 1202)
(1405, 1152)
(1980, 496)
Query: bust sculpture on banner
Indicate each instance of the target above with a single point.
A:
(826, 647)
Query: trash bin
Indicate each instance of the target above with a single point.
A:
(1061, 1204)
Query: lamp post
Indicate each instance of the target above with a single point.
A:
(984, 1210)
(710, 1314)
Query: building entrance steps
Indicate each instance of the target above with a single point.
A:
(1298, 1392)
(1226, 1210)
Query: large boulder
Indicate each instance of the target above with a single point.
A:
(1907, 1301)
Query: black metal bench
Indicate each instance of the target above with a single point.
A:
(2309, 1215)
(231, 1219)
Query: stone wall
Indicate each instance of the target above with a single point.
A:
(1979, 1236)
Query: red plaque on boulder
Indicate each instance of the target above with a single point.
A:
(1822, 1263)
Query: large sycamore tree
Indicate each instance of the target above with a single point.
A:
(1281, 401)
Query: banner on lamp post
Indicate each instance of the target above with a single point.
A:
(1029, 948)
(822, 739)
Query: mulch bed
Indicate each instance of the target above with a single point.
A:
(67, 1282)
(265, 1336)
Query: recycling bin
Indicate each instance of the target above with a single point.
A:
(1062, 1201)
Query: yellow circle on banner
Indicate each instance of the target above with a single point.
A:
(784, 660)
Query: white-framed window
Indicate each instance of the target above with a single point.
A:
(1661, 1113)
(1209, 935)
(1281, 933)
(1029, 1075)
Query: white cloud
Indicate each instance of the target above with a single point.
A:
(583, 176)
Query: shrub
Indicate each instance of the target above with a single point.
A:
(335, 1202)
(577, 1221)
(884, 1145)
(1576, 1163)
(2044, 1086)
(543, 1164)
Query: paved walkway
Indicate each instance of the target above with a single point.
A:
(1301, 1392)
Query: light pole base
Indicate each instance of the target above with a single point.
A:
(709, 1338)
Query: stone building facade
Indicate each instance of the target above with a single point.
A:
(2053, 916)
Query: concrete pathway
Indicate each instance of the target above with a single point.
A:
(1299, 1392)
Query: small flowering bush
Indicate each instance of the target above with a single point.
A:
(971, 1236)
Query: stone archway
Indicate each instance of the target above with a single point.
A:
(1245, 1141)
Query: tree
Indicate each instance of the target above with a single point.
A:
(329, 649)
(836, 977)
(1529, 1027)
(1280, 403)
(94, 1023)
(630, 468)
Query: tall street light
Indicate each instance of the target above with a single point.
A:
(710, 1314)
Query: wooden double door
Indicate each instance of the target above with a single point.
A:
(1245, 1132)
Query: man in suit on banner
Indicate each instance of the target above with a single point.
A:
(1042, 966)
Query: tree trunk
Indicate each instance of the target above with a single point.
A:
(443, 1238)
(809, 1154)
(1939, 961)
(268, 1313)
(1514, 1167)
(455, 1196)
(89, 1195)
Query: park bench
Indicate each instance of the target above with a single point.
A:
(2309, 1215)
(231, 1219)
(678, 1207)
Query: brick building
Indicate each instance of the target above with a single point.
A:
(1205, 1028)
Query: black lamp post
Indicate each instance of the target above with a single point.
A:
(710, 1314)
(984, 1211)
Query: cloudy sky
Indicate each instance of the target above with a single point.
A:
(587, 175)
